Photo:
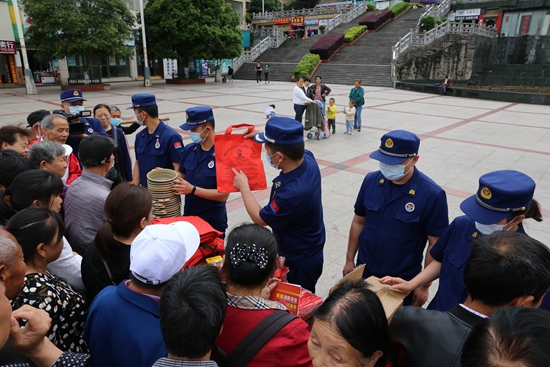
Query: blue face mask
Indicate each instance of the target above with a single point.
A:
(75, 109)
(268, 159)
(196, 137)
(115, 122)
(140, 123)
(393, 172)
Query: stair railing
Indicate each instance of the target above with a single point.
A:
(272, 41)
(334, 22)
(415, 39)
(357, 11)
(302, 12)
(438, 11)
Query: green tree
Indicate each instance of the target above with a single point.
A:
(186, 29)
(89, 28)
(269, 6)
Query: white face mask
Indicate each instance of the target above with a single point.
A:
(75, 109)
(490, 228)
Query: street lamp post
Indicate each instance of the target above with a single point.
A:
(146, 72)
(29, 79)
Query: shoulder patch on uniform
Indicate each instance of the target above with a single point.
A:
(274, 206)
(177, 145)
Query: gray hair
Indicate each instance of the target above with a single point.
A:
(45, 151)
(47, 122)
(8, 250)
(114, 108)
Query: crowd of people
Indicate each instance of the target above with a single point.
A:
(88, 278)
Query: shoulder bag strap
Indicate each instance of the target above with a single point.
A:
(109, 272)
(258, 337)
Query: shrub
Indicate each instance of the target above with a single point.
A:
(352, 33)
(306, 66)
(371, 7)
(327, 45)
(399, 8)
(376, 19)
(427, 22)
(418, 5)
(322, 28)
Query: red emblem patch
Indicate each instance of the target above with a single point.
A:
(274, 206)
(177, 145)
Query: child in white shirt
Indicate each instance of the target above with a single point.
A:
(350, 117)
(270, 111)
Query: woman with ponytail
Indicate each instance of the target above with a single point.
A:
(128, 210)
(250, 263)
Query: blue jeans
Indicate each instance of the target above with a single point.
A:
(349, 125)
(357, 122)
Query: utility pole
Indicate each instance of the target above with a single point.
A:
(29, 79)
(146, 72)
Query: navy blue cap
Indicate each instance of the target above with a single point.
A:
(196, 116)
(71, 95)
(396, 147)
(500, 194)
(282, 131)
(142, 100)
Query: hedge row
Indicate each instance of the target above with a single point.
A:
(398, 9)
(352, 33)
(376, 19)
(306, 66)
(327, 45)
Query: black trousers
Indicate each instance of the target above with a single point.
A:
(299, 109)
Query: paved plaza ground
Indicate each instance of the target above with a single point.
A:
(461, 140)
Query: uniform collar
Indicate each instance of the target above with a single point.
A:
(285, 178)
(139, 300)
(407, 189)
(465, 315)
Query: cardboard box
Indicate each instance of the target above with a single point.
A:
(392, 300)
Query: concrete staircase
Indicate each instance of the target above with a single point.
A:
(369, 58)
(284, 59)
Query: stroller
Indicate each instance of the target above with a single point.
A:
(316, 118)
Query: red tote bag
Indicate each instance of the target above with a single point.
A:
(234, 151)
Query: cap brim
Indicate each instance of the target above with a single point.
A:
(131, 107)
(75, 99)
(482, 215)
(187, 127)
(379, 156)
(190, 236)
(260, 138)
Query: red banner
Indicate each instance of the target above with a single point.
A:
(13, 69)
(289, 20)
(7, 47)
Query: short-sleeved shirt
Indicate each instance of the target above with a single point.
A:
(91, 125)
(452, 250)
(66, 307)
(159, 149)
(295, 212)
(199, 167)
(398, 221)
